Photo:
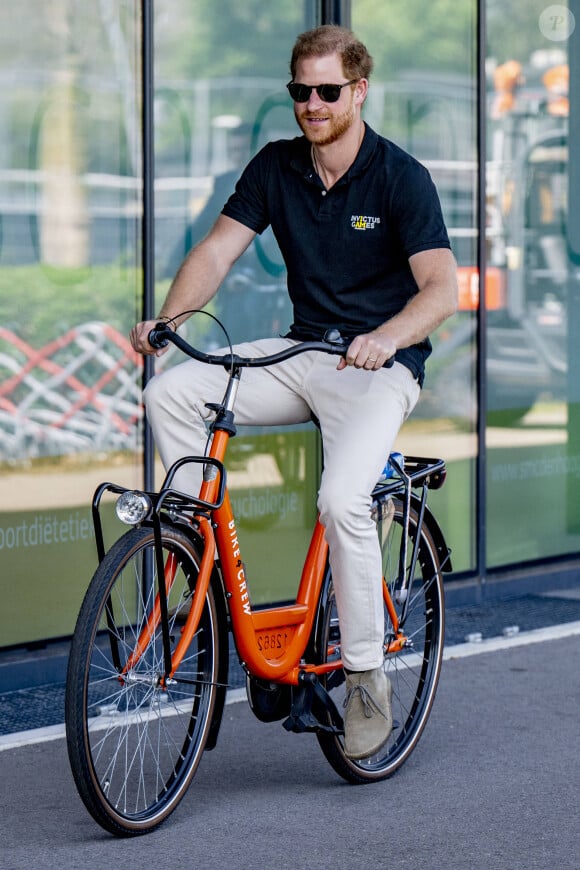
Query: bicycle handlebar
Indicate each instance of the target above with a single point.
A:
(333, 343)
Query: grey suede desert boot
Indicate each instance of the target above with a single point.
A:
(368, 719)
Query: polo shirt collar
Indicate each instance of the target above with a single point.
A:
(301, 162)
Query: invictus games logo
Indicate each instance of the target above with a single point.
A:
(363, 222)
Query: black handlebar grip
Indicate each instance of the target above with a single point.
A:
(157, 337)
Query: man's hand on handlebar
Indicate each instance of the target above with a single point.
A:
(369, 351)
(139, 337)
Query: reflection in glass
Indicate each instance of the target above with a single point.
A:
(422, 96)
(220, 96)
(69, 284)
(216, 107)
(532, 442)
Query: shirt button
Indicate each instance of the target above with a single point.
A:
(324, 193)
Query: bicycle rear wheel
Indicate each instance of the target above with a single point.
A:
(134, 745)
(414, 670)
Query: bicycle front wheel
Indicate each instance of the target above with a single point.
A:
(134, 743)
(413, 670)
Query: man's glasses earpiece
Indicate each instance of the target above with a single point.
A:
(327, 93)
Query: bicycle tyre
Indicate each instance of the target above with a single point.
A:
(414, 673)
(134, 746)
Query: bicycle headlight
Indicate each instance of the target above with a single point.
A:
(132, 507)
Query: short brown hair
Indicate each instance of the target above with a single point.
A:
(330, 39)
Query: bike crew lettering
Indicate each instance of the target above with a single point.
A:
(241, 576)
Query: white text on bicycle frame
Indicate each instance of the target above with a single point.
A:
(241, 577)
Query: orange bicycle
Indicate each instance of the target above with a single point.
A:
(148, 668)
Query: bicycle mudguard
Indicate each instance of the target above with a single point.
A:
(434, 528)
(314, 651)
(224, 660)
(223, 635)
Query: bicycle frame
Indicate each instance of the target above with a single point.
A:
(271, 641)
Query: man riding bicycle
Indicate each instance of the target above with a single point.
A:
(359, 225)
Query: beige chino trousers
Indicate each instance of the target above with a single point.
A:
(360, 413)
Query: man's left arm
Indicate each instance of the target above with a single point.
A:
(435, 273)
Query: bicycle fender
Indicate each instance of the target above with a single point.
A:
(429, 520)
(314, 650)
(224, 647)
(224, 659)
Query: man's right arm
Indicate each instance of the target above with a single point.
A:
(198, 278)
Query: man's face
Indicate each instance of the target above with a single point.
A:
(323, 123)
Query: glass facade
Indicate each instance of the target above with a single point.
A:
(215, 109)
(532, 437)
(70, 287)
(423, 97)
(495, 123)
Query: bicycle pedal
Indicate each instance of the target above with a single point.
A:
(301, 724)
(313, 709)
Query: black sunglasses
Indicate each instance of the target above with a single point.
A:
(327, 93)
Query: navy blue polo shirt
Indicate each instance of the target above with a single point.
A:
(346, 250)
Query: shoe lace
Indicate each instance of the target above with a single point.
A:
(369, 704)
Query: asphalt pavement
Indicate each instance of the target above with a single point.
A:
(494, 783)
